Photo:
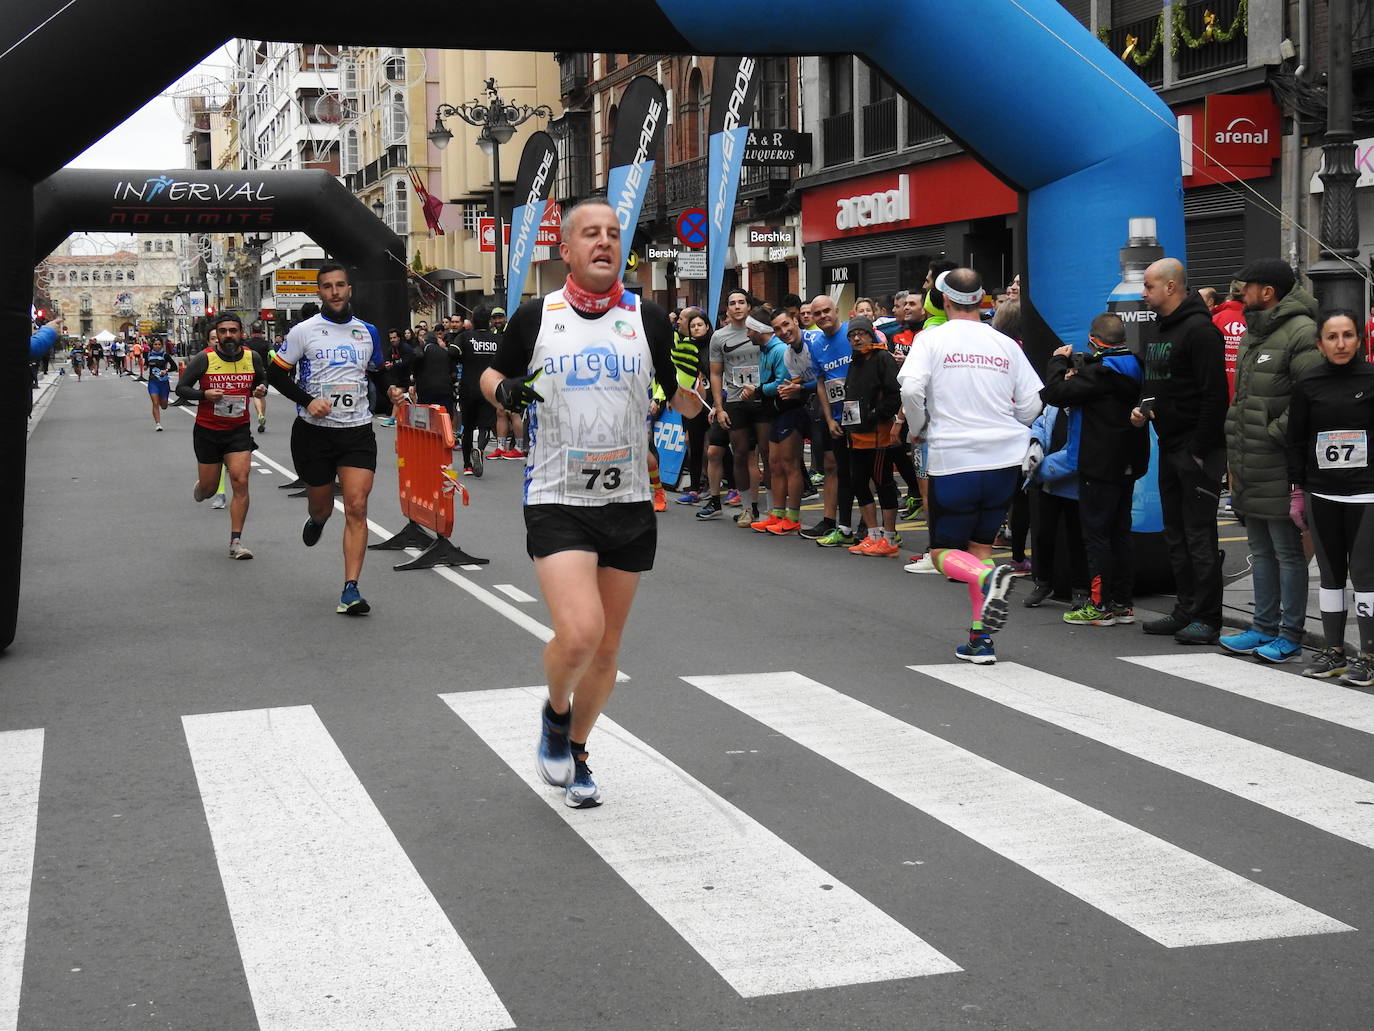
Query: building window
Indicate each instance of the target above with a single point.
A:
(109, 276)
(772, 103)
(698, 116)
(611, 63)
(471, 213)
(398, 210)
(147, 246)
(840, 79)
(85, 277)
(394, 65)
(351, 162)
(395, 123)
(169, 246)
(119, 275)
(131, 277)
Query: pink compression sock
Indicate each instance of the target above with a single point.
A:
(962, 566)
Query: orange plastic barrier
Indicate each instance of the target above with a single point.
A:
(427, 484)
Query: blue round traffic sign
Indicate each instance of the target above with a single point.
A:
(691, 228)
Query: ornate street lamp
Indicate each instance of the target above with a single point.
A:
(497, 120)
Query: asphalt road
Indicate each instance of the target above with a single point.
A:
(224, 806)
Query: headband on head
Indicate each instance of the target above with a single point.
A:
(957, 296)
(756, 325)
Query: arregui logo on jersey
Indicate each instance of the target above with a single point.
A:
(344, 354)
(588, 366)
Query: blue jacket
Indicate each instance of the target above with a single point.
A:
(1058, 473)
(42, 342)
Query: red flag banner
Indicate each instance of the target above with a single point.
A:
(431, 205)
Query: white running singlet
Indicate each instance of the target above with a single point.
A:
(331, 360)
(589, 437)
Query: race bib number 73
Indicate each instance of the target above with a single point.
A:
(604, 473)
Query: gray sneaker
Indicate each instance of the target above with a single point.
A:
(1328, 663)
(217, 501)
(238, 550)
(1360, 672)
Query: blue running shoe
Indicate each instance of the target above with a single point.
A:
(1246, 642)
(553, 758)
(996, 587)
(351, 603)
(978, 650)
(1280, 649)
(583, 792)
(689, 498)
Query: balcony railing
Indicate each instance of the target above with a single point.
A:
(1147, 34)
(685, 186)
(575, 71)
(1210, 54)
(759, 180)
(880, 127)
(395, 157)
(920, 127)
(837, 138)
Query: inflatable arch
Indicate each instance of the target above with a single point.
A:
(180, 201)
(1020, 82)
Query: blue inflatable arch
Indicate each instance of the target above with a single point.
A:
(1022, 84)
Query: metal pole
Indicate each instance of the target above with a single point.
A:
(1336, 282)
(498, 281)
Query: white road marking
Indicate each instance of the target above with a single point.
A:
(1324, 798)
(21, 768)
(512, 592)
(1160, 890)
(498, 605)
(1323, 699)
(765, 917)
(335, 927)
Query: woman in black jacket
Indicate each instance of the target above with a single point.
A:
(872, 398)
(1330, 426)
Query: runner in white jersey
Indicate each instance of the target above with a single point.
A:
(332, 436)
(584, 359)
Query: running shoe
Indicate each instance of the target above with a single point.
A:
(747, 517)
(1037, 596)
(496, 454)
(198, 495)
(1246, 642)
(911, 506)
(1360, 672)
(477, 465)
(515, 454)
(262, 425)
(819, 530)
(766, 523)
(467, 470)
(310, 532)
(1326, 664)
(159, 427)
(217, 501)
(660, 500)
(733, 499)
(784, 526)
(817, 479)
(690, 498)
(863, 547)
(1197, 632)
(996, 587)
(1021, 568)
(1123, 614)
(553, 758)
(978, 650)
(921, 564)
(351, 603)
(1090, 615)
(388, 422)
(238, 550)
(583, 792)
(883, 548)
(1170, 624)
(710, 510)
(1280, 649)
(836, 538)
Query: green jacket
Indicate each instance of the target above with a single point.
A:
(1279, 347)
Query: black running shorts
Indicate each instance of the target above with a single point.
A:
(623, 536)
(319, 451)
(212, 445)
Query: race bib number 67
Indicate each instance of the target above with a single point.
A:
(1342, 449)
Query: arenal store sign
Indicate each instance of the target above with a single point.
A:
(927, 194)
(1241, 129)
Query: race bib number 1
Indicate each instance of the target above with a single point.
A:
(604, 473)
(231, 406)
(1342, 449)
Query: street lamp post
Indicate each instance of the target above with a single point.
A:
(497, 120)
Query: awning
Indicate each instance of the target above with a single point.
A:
(443, 275)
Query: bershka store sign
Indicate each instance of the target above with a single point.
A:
(920, 195)
(1241, 129)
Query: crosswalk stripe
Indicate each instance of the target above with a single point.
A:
(765, 917)
(335, 927)
(21, 767)
(1322, 699)
(513, 593)
(1324, 798)
(1160, 890)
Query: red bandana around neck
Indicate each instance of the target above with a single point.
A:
(592, 303)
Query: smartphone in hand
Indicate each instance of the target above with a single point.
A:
(1147, 407)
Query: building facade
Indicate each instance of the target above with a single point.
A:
(128, 291)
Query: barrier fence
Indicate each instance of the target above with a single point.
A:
(427, 485)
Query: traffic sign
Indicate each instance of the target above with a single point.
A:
(691, 265)
(691, 228)
(196, 306)
(294, 282)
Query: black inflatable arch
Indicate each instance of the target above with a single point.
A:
(180, 201)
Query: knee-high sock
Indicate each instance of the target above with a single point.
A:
(1333, 607)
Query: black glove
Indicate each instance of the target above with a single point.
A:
(515, 393)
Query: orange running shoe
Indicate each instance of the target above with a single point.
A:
(784, 526)
(883, 548)
(763, 525)
(660, 500)
(862, 547)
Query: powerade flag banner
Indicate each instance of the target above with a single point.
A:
(732, 105)
(533, 185)
(638, 129)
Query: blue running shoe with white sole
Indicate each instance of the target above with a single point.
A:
(351, 603)
(553, 758)
(583, 792)
(1280, 649)
(1246, 642)
(978, 650)
(996, 588)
